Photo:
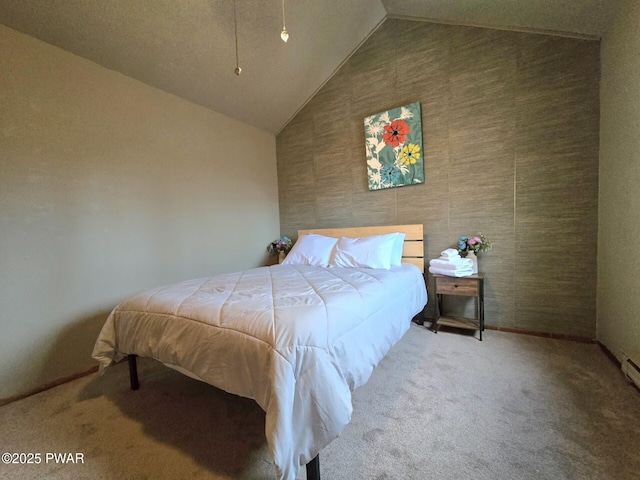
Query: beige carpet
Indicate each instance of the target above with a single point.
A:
(442, 406)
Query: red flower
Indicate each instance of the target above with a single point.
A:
(396, 132)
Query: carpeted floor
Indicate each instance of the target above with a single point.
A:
(442, 406)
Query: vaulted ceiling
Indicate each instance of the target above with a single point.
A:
(187, 47)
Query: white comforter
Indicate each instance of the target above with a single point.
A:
(297, 339)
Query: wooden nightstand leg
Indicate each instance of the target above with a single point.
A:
(481, 314)
(438, 312)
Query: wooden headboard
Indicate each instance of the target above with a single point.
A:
(413, 251)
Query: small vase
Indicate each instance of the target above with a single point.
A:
(281, 256)
(472, 256)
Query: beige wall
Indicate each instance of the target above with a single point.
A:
(109, 187)
(619, 230)
(510, 128)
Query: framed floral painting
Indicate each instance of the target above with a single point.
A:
(393, 143)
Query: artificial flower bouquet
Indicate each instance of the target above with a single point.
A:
(283, 245)
(476, 244)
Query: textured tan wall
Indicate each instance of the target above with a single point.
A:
(618, 263)
(109, 187)
(510, 128)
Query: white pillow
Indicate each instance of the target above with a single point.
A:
(364, 252)
(311, 249)
(396, 252)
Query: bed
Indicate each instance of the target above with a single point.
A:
(297, 338)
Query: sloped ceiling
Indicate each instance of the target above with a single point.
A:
(187, 47)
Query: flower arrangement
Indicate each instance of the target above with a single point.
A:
(475, 244)
(283, 244)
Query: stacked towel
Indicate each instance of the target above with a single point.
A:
(451, 263)
(450, 253)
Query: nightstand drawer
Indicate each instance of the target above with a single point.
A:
(468, 287)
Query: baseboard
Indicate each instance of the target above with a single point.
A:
(47, 386)
(610, 355)
(557, 336)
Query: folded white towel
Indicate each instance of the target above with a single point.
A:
(451, 264)
(451, 260)
(450, 252)
(451, 273)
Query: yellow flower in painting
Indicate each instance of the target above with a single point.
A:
(410, 154)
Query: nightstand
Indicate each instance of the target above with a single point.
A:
(471, 286)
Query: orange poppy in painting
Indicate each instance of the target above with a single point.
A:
(396, 132)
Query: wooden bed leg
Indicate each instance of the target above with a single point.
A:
(133, 372)
(313, 469)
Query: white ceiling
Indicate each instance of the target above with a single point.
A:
(186, 47)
